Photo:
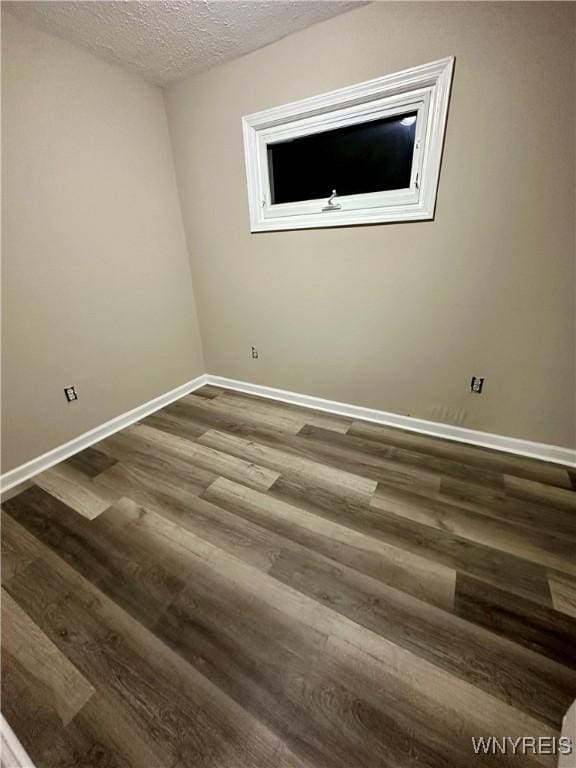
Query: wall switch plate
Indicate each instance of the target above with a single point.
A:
(476, 384)
(70, 393)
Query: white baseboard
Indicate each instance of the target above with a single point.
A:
(12, 753)
(542, 451)
(47, 460)
(569, 732)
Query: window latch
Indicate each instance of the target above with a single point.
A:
(331, 205)
(416, 182)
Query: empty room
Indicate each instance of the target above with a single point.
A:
(288, 459)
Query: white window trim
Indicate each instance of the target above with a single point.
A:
(424, 89)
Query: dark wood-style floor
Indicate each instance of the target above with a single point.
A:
(235, 582)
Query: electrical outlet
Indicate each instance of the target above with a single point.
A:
(254, 353)
(476, 384)
(70, 393)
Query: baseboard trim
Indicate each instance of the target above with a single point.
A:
(12, 753)
(568, 732)
(542, 451)
(41, 463)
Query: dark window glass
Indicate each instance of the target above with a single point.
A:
(369, 157)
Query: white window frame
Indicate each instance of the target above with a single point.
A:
(424, 90)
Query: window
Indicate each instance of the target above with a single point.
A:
(359, 159)
(366, 154)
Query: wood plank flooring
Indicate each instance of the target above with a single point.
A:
(239, 583)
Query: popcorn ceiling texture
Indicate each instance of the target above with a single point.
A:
(165, 41)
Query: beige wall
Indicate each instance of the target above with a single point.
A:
(400, 316)
(96, 281)
(96, 286)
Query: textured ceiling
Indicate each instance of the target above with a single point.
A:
(165, 41)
